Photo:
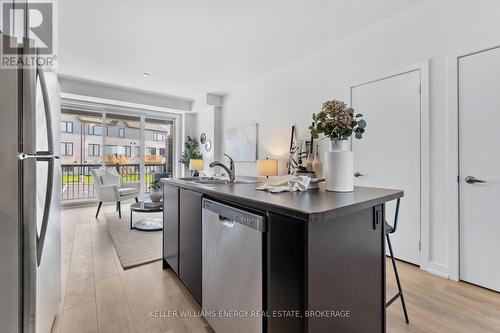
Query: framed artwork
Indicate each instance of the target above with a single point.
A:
(241, 143)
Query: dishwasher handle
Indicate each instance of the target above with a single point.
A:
(225, 222)
(227, 213)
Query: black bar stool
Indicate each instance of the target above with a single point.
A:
(390, 230)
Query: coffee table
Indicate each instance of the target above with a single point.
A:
(147, 224)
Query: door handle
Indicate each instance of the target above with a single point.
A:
(40, 240)
(357, 174)
(473, 180)
(48, 112)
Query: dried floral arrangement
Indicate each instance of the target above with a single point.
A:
(337, 121)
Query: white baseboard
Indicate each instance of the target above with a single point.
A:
(438, 269)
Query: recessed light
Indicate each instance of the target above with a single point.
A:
(146, 74)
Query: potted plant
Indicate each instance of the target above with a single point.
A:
(191, 151)
(155, 193)
(338, 122)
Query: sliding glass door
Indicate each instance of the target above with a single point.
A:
(81, 150)
(158, 149)
(140, 148)
(123, 142)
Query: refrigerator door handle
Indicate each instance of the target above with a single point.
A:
(40, 156)
(48, 112)
(46, 209)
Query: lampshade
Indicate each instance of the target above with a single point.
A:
(267, 167)
(196, 165)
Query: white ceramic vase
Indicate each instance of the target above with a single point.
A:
(338, 168)
(155, 196)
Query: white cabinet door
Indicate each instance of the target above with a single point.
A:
(389, 154)
(479, 142)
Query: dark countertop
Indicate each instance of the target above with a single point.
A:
(312, 205)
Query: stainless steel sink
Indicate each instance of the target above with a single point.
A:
(196, 179)
(215, 181)
(225, 182)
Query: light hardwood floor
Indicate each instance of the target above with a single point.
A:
(99, 296)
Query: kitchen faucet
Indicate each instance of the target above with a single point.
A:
(229, 171)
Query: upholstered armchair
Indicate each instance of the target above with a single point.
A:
(109, 188)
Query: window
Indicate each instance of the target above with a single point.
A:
(121, 132)
(94, 130)
(128, 151)
(111, 150)
(94, 149)
(66, 126)
(159, 136)
(66, 148)
(137, 151)
(151, 150)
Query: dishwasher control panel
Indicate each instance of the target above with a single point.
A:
(251, 220)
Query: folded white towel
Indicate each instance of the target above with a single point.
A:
(288, 183)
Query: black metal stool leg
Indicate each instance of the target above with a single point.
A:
(400, 293)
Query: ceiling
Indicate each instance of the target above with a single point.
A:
(199, 46)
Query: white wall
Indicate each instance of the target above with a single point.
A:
(427, 31)
(208, 120)
(80, 86)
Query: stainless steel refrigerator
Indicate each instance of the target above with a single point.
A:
(30, 233)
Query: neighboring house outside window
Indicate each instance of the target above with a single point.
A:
(121, 132)
(94, 149)
(66, 126)
(159, 136)
(66, 148)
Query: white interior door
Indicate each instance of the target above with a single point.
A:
(479, 139)
(389, 154)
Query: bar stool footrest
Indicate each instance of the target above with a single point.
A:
(395, 297)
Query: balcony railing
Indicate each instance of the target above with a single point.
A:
(77, 182)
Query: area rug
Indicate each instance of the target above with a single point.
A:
(134, 247)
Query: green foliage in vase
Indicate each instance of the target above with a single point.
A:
(191, 151)
(155, 186)
(337, 121)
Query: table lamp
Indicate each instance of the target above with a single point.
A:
(195, 166)
(267, 167)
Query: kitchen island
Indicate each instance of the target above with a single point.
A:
(323, 253)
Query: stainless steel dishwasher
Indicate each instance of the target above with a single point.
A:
(232, 268)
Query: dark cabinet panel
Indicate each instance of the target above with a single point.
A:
(285, 273)
(171, 226)
(190, 241)
(346, 272)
